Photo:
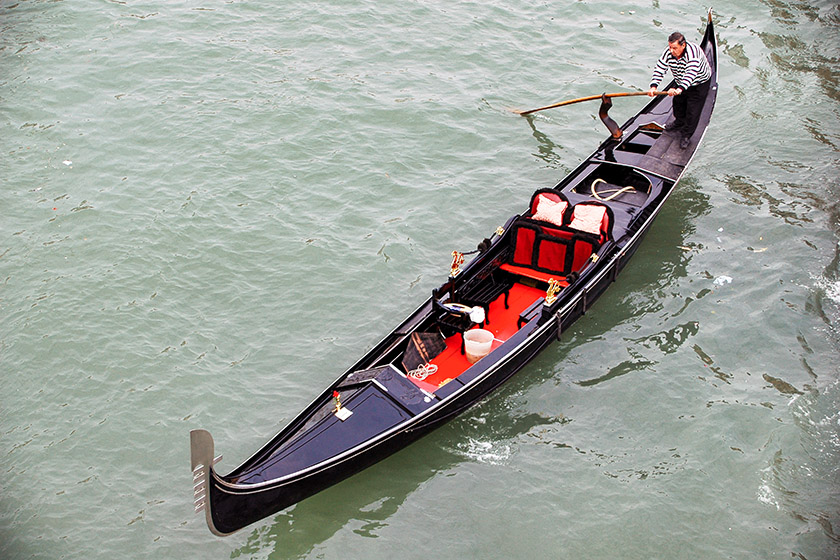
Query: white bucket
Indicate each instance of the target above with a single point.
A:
(477, 343)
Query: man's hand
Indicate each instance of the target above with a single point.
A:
(652, 91)
(674, 91)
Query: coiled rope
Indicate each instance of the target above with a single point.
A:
(618, 191)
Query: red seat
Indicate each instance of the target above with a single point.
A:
(543, 252)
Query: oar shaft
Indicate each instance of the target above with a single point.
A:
(589, 98)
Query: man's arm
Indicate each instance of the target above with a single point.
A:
(660, 69)
(658, 73)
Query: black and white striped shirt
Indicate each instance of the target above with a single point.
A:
(690, 69)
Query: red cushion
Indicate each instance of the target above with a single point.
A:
(524, 249)
(583, 249)
(552, 255)
(535, 274)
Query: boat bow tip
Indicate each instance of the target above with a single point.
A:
(201, 448)
(202, 460)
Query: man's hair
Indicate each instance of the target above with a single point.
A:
(676, 37)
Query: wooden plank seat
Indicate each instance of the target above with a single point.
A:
(487, 293)
(454, 322)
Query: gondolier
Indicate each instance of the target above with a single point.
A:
(691, 71)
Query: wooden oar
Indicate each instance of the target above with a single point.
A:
(589, 98)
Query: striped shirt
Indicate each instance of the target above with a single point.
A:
(690, 69)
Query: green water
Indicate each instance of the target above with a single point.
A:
(211, 210)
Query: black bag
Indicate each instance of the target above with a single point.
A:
(422, 348)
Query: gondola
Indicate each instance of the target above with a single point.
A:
(525, 286)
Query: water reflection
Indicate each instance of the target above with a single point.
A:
(788, 209)
(669, 259)
(792, 55)
(796, 482)
(671, 340)
(784, 12)
(363, 502)
(625, 367)
(825, 300)
(547, 150)
(736, 53)
(647, 281)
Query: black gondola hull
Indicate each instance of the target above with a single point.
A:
(381, 404)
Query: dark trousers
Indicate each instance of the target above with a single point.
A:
(687, 108)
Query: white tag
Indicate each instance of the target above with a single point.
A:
(343, 413)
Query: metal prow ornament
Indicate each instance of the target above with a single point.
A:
(603, 112)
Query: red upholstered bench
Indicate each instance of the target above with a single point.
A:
(542, 252)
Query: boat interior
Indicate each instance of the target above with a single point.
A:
(542, 252)
(565, 229)
(546, 250)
